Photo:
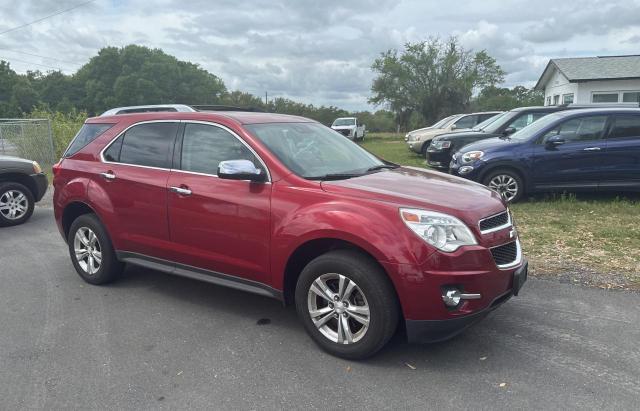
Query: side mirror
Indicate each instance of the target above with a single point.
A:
(240, 170)
(555, 141)
(453, 127)
(508, 131)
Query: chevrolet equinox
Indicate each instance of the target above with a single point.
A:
(285, 207)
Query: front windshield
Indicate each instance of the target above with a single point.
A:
(344, 122)
(314, 151)
(481, 126)
(504, 119)
(533, 128)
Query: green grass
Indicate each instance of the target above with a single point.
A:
(561, 233)
(392, 147)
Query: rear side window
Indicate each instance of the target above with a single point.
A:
(86, 135)
(148, 145)
(625, 127)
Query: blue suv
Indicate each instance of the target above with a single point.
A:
(586, 149)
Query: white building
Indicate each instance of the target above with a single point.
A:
(587, 80)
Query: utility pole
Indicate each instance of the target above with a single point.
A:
(266, 101)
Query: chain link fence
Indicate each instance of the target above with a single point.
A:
(28, 138)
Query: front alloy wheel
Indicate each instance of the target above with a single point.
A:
(338, 308)
(347, 303)
(507, 183)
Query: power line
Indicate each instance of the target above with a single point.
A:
(30, 62)
(46, 17)
(43, 57)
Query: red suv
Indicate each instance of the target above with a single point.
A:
(285, 207)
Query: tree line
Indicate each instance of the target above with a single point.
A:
(413, 87)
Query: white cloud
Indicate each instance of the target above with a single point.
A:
(318, 52)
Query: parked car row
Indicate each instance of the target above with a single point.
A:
(419, 140)
(502, 154)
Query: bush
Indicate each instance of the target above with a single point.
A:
(64, 126)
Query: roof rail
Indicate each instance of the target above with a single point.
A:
(149, 109)
(219, 107)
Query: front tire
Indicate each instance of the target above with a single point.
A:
(506, 182)
(16, 204)
(347, 304)
(91, 251)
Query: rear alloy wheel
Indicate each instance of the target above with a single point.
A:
(16, 204)
(347, 304)
(91, 251)
(507, 183)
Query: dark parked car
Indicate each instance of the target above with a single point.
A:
(287, 208)
(441, 149)
(588, 149)
(22, 184)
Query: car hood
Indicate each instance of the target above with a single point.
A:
(463, 135)
(425, 189)
(490, 143)
(342, 127)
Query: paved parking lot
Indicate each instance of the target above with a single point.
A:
(156, 341)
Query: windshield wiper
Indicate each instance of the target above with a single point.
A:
(334, 176)
(382, 167)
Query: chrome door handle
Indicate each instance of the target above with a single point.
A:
(181, 191)
(108, 175)
(592, 149)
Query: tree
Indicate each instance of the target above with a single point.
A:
(433, 78)
(496, 98)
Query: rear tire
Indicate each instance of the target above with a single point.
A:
(16, 204)
(91, 251)
(507, 182)
(347, 304)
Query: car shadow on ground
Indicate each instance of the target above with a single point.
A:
(266, 312)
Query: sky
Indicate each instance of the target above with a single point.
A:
(315, 51)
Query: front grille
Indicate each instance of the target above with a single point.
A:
(345, 132)
(505, 254)
(495, 221)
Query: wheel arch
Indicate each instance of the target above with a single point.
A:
(304, 253)
(21, 178)
(72, 211)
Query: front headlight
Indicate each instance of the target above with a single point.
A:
(440, 145)
(472, 156)
(36, 168)
(442, 231)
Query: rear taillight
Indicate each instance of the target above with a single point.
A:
(56, 167)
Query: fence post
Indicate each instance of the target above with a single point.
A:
(1, 139)
(51, 143)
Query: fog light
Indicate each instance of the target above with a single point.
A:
(451, 298)
(465, 169)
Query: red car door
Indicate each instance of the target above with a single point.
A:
(218, 225)
(133, 175)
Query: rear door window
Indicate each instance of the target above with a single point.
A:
(86, 135)
(625, 126)
(149, 145)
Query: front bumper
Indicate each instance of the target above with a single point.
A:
(429, 331)
(476, 170)
(41, 184)
(438, 158)
(415, 146)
